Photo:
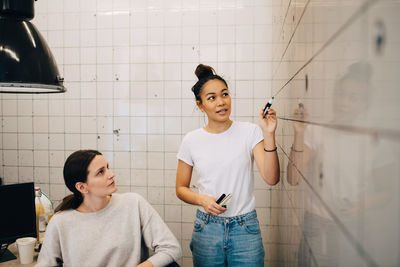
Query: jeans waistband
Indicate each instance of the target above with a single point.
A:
(217, 219)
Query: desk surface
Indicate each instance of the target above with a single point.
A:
(14, 250)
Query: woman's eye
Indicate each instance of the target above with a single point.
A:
(211, 98)
(100, 172)
(225, 94)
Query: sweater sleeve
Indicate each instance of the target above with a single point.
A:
(50, 253)
(158, 236)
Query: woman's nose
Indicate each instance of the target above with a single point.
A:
(110, 174)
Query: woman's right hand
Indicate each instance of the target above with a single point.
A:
(210, 206)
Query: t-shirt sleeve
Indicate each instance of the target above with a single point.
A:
(256, 135)
(184, 152)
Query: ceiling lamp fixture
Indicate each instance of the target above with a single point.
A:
(26, 63)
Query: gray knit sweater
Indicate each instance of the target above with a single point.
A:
(110, 237)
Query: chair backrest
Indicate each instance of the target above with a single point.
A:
(144, 251)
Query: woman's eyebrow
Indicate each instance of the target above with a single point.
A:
(213, 93)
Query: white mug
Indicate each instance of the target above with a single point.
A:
(26, 246)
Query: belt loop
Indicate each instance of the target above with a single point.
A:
(207, 218)
(241, 219)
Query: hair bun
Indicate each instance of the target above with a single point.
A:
(203, 71)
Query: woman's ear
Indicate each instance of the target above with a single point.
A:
(81, 187)
(199, 105)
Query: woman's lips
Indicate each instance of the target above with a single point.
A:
(222, 111)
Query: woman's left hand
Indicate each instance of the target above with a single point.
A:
(269, 123)
(146, 263)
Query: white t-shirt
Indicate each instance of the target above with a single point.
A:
(224, 163)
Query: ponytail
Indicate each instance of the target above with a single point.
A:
(72, 201)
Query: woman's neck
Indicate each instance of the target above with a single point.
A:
(93, 204)
(218, 127)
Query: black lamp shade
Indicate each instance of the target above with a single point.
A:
(26, 63)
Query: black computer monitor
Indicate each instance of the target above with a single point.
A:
(17, 215)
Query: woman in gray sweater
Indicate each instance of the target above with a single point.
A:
(94, 227)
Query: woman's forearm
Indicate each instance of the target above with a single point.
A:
(271, 168)
(187, 195)
(271, 161)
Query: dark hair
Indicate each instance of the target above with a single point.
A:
(76, 170)
(204, 73)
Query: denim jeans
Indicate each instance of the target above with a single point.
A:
(227, 241)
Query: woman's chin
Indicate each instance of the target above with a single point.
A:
(114, 189)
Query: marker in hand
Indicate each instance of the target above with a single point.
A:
(223, 199)
(268, 106)
(223, 202)
(220, 198)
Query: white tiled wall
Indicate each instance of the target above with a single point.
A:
(128, 67)
(344, 209)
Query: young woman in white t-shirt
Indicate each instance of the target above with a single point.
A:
(222, 153)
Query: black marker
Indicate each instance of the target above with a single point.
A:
(220, 198)
(268, 106)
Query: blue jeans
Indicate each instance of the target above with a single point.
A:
(227, 241)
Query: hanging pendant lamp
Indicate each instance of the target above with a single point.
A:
(26, 63)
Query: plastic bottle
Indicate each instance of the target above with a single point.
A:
(40, 212)
(48, 206)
